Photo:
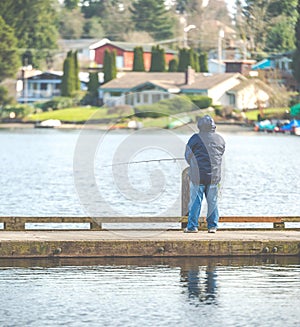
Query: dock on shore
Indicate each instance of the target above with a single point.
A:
(147, 243)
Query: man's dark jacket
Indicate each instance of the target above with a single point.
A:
(204, 153)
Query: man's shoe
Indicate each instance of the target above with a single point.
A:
(212, 230)
(194, 230)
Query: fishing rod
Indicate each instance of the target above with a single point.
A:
(144, 161)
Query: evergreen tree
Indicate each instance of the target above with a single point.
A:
(203, 63)
(9, 60)
(34, 24)
(296, 57)
(72, 73)
(184, 59)
(93, 86)
(153, 65)
(161, 60)
(158, 61)
(113, 55)
(173, 66)
(152, 16)
(196, 62)
(76, 71)
(138, 60)
(5, 99)
(109, 66)
(67, 83)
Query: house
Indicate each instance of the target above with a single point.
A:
(138, 88)
(277, 69)
(215, 66)
(43, 86)
(250, 94)
(124, 53)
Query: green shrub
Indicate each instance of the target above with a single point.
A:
(20, 110)
(201, 101)
(165, 107)
(56, 103)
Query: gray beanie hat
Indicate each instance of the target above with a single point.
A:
(206, 124)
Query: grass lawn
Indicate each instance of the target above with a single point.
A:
(71, 115)
(269, 112)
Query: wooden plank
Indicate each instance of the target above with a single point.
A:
(77, 219)
(18, 223)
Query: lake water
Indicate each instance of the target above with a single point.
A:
(56, 172)
(151, 292)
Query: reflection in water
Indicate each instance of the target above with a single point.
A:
(150, 292)
(201, 283)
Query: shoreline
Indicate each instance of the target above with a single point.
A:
(221, 127)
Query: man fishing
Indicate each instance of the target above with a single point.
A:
(204, 153)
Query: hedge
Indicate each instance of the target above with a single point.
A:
(165, 107)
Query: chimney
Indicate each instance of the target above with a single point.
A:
(189, 76)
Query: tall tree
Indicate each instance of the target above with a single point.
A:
(76, 71)
(70, 23)
(113, 15)
(138, 60)
(203, 62)
(153, 17)
(183, 59)
(158, 62)
(67, 83)
(280, 36)
(93, 86)
(187, 57)
(296, 57)
(266, 25)
(70, 80)
(34, 23)
(9, 59)
(173, 66)
(109, 66)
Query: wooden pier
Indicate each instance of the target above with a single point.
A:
(17, 240)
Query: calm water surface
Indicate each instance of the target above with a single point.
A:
(38, 177)
(150, 292)
(260, 174)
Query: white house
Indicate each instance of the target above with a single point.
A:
(138, 88)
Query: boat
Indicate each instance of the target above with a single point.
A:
(50, 123)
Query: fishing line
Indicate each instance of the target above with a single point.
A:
(144, 161)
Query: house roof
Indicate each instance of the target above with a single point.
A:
(248, 82)
(174, 81)
(47, 75)
(127, 46)
(83, 76)
(263, 64)
(75, 44)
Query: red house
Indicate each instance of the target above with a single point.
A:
(124, 53)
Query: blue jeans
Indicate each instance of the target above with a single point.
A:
(196, 198)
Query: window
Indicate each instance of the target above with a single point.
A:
(232, 99)
(146, 98)
(138, 97)
(155, 98)
(44, 86)
(115, 94)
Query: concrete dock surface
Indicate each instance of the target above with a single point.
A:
(147, 243)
